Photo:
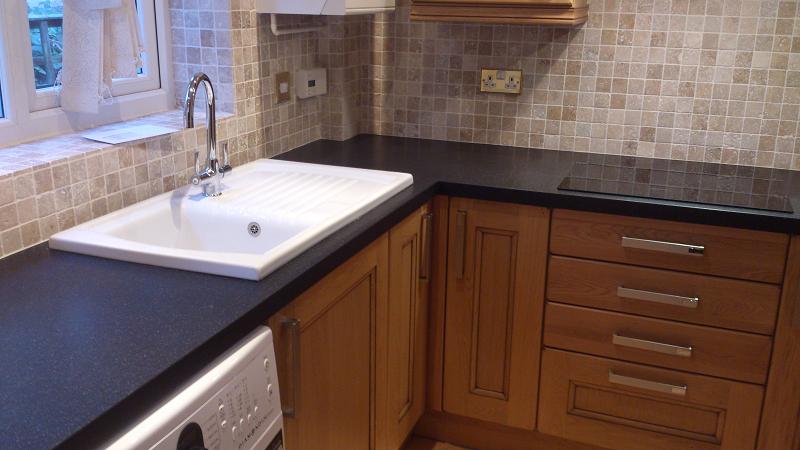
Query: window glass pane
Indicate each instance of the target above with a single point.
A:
(45, 23)
(45, 18)
(2, 114)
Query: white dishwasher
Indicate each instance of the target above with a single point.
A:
(233, 404)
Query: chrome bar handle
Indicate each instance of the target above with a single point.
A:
(658, 297)
(461, 243)
(292, 327)
(663, 246)
(651, 346)
(426, 242)
(655, 386)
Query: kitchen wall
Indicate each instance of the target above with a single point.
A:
(705, 80)
(708, 80)
(53, 184)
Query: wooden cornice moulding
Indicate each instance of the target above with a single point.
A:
(524, 12)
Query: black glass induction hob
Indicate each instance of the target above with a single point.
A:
(686, 181)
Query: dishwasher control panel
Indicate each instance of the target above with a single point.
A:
(235, 404)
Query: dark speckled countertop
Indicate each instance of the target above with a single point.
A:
(90, 344)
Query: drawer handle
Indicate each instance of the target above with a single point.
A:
(652, 346)
(662, 246)
(461, 243)
(657, 297)
(426, 244)
(292, 327)
(655, 386)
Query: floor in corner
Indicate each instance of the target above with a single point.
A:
(419, 443)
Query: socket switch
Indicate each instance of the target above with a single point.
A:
(282, 87)
(501, 80)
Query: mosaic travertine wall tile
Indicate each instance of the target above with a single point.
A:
(708, 80)
(53, 184)
(81, 181)
(297, 122)
(202, 42)
(344, 49)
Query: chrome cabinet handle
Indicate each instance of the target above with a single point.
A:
(657, 297)
(292, 327)
(461, 243)
(655, 386)
(652, 346)
(426, 244)
(662, 246)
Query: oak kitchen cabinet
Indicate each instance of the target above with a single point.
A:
(406, 328)
(495, 295)
(621, 367)
(329, 344)
(354, 346)
(494, 326)
(541, 12)
(780, 422)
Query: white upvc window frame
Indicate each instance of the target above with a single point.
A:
(32, 114)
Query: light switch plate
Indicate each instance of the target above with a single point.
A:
(311, 82)
(282, 87)
(504, 81)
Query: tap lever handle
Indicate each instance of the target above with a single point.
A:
(226, 163)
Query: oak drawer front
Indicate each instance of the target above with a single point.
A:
(627, 406)
(745, 254)
(700, 299)
(694, 348)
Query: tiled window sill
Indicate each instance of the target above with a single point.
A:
(61, 148)
(53, 184)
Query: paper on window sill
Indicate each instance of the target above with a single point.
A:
(128, 133)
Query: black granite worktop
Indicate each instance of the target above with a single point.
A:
(88, 344)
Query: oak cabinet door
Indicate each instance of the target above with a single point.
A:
(405, 329)
(497, 255)
(780, 420)
(326, 344)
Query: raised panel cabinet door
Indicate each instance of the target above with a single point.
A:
(496, 268)
(326, 347)
(780, 421)
(406, 328)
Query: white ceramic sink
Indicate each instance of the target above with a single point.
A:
(270, 211)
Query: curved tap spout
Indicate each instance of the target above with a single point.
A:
(212, 168)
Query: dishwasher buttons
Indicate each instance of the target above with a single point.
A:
(266, 364)
(234, 432)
